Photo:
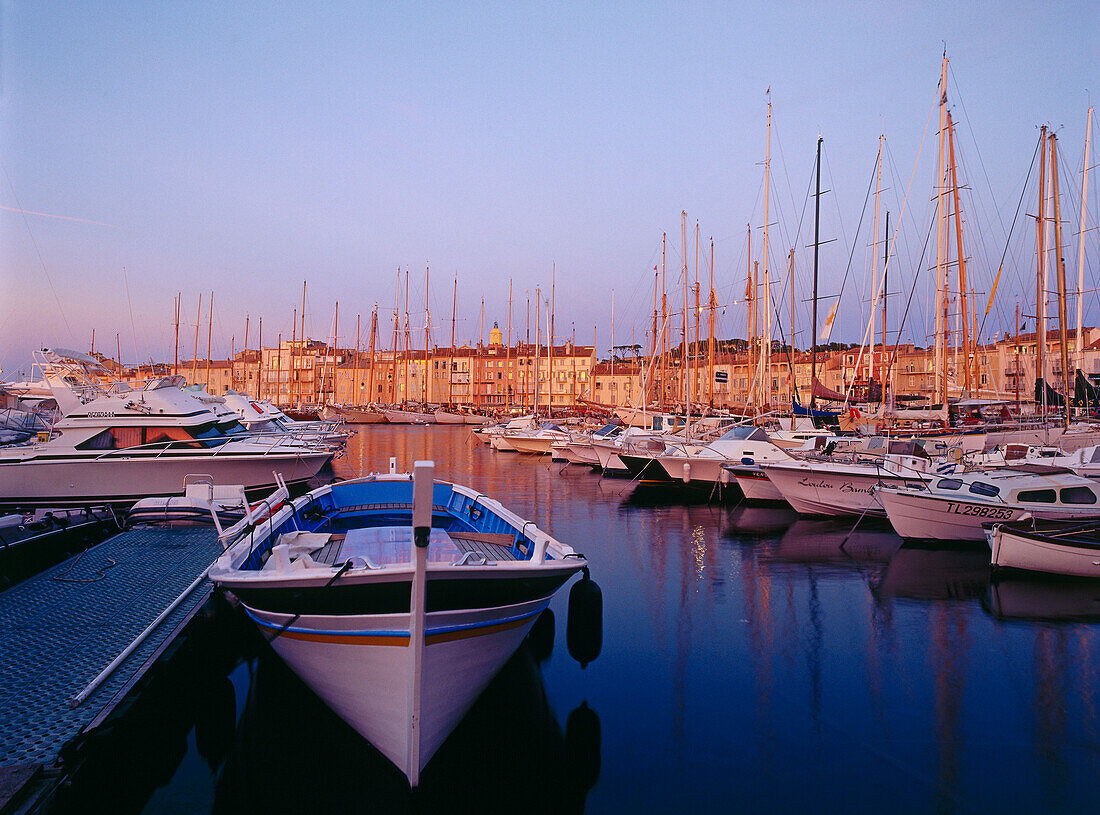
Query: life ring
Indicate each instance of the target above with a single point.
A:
(853, 413)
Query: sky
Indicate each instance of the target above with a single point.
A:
(150, 149)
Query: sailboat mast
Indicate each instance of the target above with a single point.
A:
(695, 346)
(427, 340)
(480, 351)
(1060, 266)
(335, 342)
(1079, 347)
(508, 353)
(302, 340)
(874, 260)
(405, 374)
(550, 345)
(766, 351)
(750, 296)
(939, 395)
(260, 346)
(710, 332)
(451, 353)
(886, 359)
(684, 315)
(1040, 274)
(355, 389)
(209, 336)
(373, 337)
(664, 322)
(195, 355)
(175, 347)
(960, 256)
(817, 243)
(538, 360)
(649, 396)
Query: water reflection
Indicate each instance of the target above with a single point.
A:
(292, 754)
(738, 642)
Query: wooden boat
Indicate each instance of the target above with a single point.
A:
(1051, 547)
(396, 416)
(396, 599)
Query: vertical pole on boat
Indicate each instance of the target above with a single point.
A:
(423, 480)
(373, 337)
(817, 243)
(1079, 347)
(451, 355)
(209, 335)
(1060, 268)
(175, 348)
(1040, 277)
(195, 355)
(710, 332)
(356, 391)
(260, 368)
(508, 353)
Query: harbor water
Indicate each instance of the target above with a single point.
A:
(751, 661)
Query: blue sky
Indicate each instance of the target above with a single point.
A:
(245, 147)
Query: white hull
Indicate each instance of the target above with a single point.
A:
(444, 417)
(832, 491)
(756, 486)
(408, 417)
(498, 442)
(365, 675)
(474, 418)
(699, 470)
(532, 445)
(124, 479)
(1020, 551)
(579, 453)
(917, 516)
(609, 459)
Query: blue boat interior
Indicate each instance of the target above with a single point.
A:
(373, 519)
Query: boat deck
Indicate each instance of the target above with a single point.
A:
(497, 547)
(61, 628)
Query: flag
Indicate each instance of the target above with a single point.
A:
(827, 329)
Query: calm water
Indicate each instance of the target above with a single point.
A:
(749, 663)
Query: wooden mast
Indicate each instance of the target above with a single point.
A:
(960, 257)
(195, 355)
(175, 347)
(750, 296)
(939, 395)
(1079, 347)
(651, 388)
(405, 367)
(791, 352)
(710, 332)
(527, 351)
(874, 261)
(817, 244)
(538, 361)
(1060, 268)
(1040, 275)
(508, 353)
(695, 348)
(451, 353)
(302, 340)
(209, 336)
(335, 340)
(356, 391)
(766, 348)
(396, 331)
(427, 340)
(684, 393)
(664, 323)
(373, 336)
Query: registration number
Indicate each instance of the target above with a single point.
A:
(978, 511)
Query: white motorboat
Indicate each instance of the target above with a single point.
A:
(701, 462)
(396, 599)
(128, 444)
(536, 441)
(834, 485)
(1051, 547)
(956, 506)
(578, 448)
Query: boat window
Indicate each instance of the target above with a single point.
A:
(982, 488)
(1037, 496)
(744, 433)
(949, 484)
(121, 438)
(1077, 495)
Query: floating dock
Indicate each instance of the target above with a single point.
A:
(60, 630)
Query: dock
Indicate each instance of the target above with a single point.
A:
(60, 629)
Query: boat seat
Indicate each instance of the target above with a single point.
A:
(493, 546)
(329, 553)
